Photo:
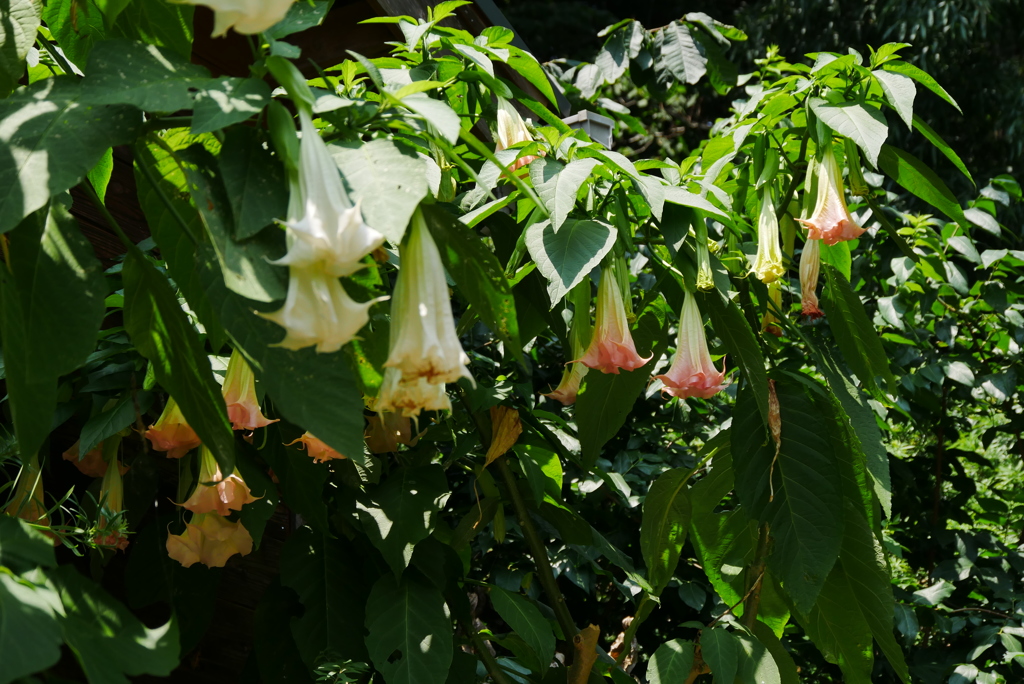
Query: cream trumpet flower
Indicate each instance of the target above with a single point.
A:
(511, 131)
(768, 264)
(810, 262)
(318, 312)
(245, 16)
(831, 220)
(424, 351)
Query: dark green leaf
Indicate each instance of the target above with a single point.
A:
(276, 652)
(302, 479)
(566, 256)
(721, 651)
(528, 622)
(666, 520)
(914, 175)
(23, 547)
(134, 73)
(254, 180)
(935, 139)
(733, 328)
(54, 141)
(530, 69)
(301, 16)
(51, 306)
(756, 665)
(107, 423)
(225, 101)
(402, 511)
(479, 275)
(783, 660)
(671, 663)
(410, 634)
(30, 636)
(17, 35)
(255, 515)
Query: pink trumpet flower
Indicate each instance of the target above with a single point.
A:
(226, 494)
(316, 448)
(831, 220)
(611, 347)
(693, 373)
(171, 433)
(240, 395)
(810, 262)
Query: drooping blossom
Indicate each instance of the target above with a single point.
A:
(27, 502)
(693, 373)
(580, 333)
(240, 395)
(316, 448)
(705, 276)
(171, 433)
(386, 430)
(424, 350)
(512, 130)
(768, 264)
(244, 16)
(224, 495)
(92, 464)
(111, 529)
(810, 262)
(326, 240)
(831, 220)
(569, 387)
(769, 323)
(611, 347)
(209, 539)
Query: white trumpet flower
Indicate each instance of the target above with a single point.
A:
(318, 312)
(245, 16)
(768, 264)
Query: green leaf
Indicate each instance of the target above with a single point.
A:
(156, 22)
(21, 19)
(402, 511)
(30, 636)
(721, 651)
(858, 121)
(255, 515)
(731, 325)
(530, 69)
(479, 275)
(940, 144)
(683, 57)
(108, 641)
(613, 58)
(332, 592)
(54, 141)
(900, 91)
(254, 180)
(526, 620)
(666, 520)
(854, 332)
(23, 547)
(302, 479)
(921, 77)
(300, 16)
(134, 73)
(839, 256)
(437, 113)
(606, 399)
(688, 199)
(225, 101)
(163, 334)
(671, 663)
(915, 176)
(756, 664)
(99, 175)
(275, 650)
(567, 255)
(51, 307)
(783, 660)
(388, 181)
(410, 634)
(806, 514)
(558, 184)
(107, 423)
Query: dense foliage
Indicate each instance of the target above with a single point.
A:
(356, 308)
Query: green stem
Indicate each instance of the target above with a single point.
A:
(755, 575)
(488, 660)
(627, 643)
(475, 143)
(91, 191)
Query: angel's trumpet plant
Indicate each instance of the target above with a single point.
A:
(512, 130)
(171, 433)
(810, 262)
(244, 16)
(611, 347)
(210, 539)
(424, 351)
(768, 265)
(318, 450)
(222, 494)
(693, 373)
(579, 338)
(110, 531)
(240, 395)
(831, 221)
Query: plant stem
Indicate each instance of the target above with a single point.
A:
(488, 660)
(627, 644)
(752, 600)
(91, 191)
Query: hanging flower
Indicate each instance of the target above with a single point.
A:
(209, 539)
(611, 347)
(580, 334)
(768, 264)
(424, 351)
(771, 319)
(569, 387)
(693, 373)
(316, 448)
(240, 395)
(328, 240)
(92, 464)
(226, 494)
(705, 276)
(512, 130)
(111, 530)
(831, 220)
(171, 433)
(810, 262)
(245, 16)
(28, 503)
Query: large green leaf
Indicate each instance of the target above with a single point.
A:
(109, 422)
(388, 181)
(227, 100)
(257, 514)
(134, 73)
(721, 651)
(254, 180)
(935, 139)
(530, 69)
(163, 334)
(109, 642)
(682, 55)
(567, 255)
(528, 622)
(479, 275)
(18, 26)
(858, 121)
(23, 547)
(900, 91)
(51, 309)
(731, 325)
(52, 140)
(671, 663)
(756, 665)
(606, 399)
(30, 635)
(332, 592)
(666, 520)
(922, 77)
(915, 176)
(410, 634)
(402, 511)
(788, 673)
(558, 184)
(854, 332)
(799, 494)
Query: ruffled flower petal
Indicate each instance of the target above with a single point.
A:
(831, 221)
(240, 395)
(316, 448)
(171, 433)
(611, 347)
(693, 373)
(226, 494)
